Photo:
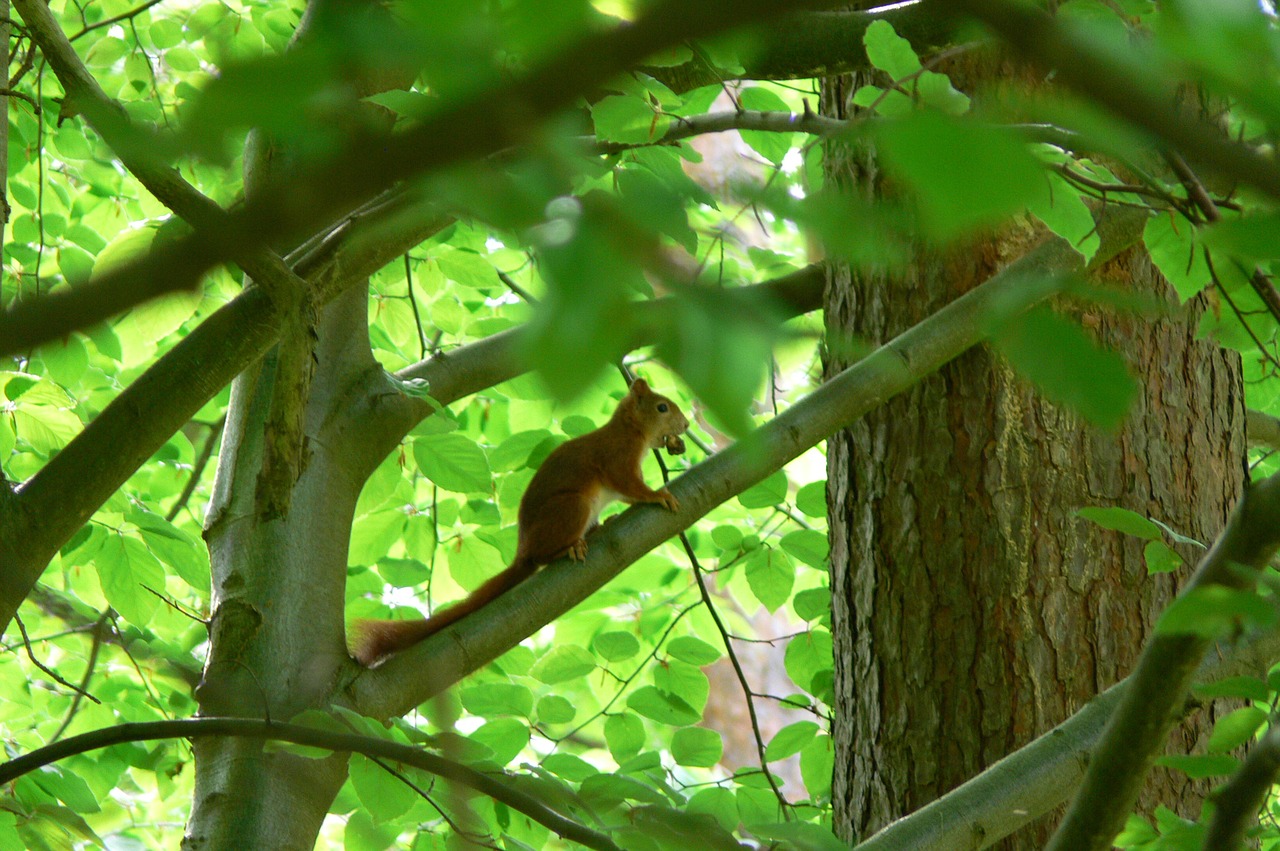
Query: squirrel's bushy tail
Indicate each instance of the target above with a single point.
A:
(374, 640)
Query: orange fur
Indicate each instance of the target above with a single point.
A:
(560, 506)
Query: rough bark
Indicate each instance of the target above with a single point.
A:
(973, 610)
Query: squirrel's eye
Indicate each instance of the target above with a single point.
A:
(662, 407)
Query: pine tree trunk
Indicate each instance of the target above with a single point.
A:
(972, 608)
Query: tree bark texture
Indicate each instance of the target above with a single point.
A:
(972, 608)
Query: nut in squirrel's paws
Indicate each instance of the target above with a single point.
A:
(674, 444)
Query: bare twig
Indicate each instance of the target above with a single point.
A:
(206, 452)
(54, 675)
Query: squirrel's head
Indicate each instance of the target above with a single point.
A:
(661, 418)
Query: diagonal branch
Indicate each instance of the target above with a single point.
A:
(815, 44)
(494, 786)
(1162, 678)
(1237, 802)
(470, 128)
(82, 306)
(1122, 84)
(416, 674)
(63, 495)
(1030, 782)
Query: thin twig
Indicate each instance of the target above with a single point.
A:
(123, 16)
(99, 632)
(42, 666)
(206, 452)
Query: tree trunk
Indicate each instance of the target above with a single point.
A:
(972, 608)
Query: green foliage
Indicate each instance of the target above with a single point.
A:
(609, 714)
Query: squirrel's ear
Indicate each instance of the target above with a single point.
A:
(639, 387)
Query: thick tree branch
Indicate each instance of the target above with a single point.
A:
(1162, 678)
(817, 44)
(61, 497)
(471, 128)
(1125, 85)
(495, 787)
(411, 677)
(79, 307)
(1030, 782)
(375, 427)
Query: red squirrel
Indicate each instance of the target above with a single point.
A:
(560, 506)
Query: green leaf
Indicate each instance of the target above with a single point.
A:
(771, 575)
(554, 709)
(1246, 688)
(65, 359)
(662, 707)
(1062, 209)
(817, 761)
(506, 737)
(717, 802)
(685, 681)
(1160, 558)
(807, 546)
(1235, 729)
(373, 534)
(627, 119)
(791, 739)
(1174, 249)
(768, 493)
(1213, 611)
(513, 453)
(889, 51)
(772, 146)
(693, 650)
(1200, 767)
(1250, 239)
(472, 562)
(624, 735)
(105, 52)
(454, 462)
(938, 157)
(1136, 833)
(570, 767)
(652, 204)
(672, 828)
(491, 700)
(165, 32)
(125, 566)
(188, 557)
(67, 788)
(568, 662)
(1066, 365)
(362, 834)
(801, 836)
(603, 791)
(808, 655)
(1121, 520)
(811, 499)
(468, 268)
(615, 646)
(812, 603)
(383, 796)
(696, 746)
